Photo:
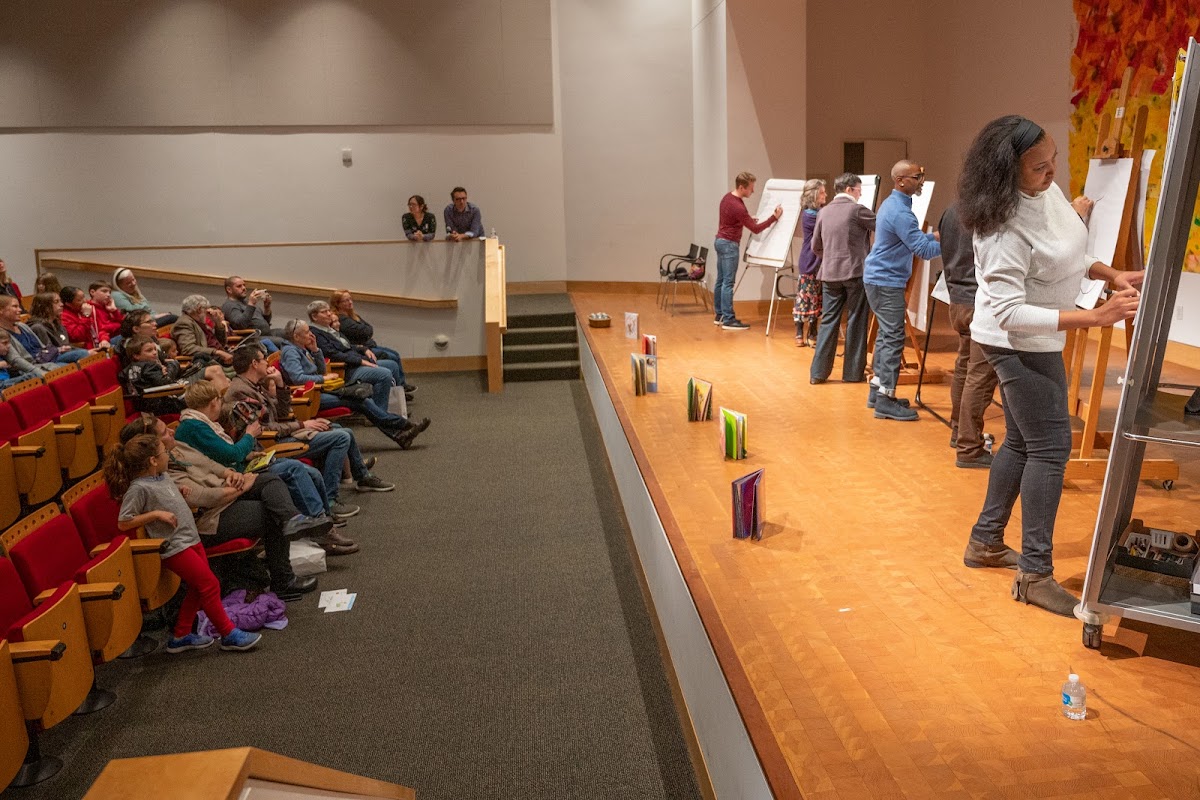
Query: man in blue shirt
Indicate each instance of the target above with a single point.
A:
(885, 274)
(463, 220)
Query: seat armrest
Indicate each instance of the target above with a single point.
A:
(104, 409)
(37, 650)
(100, 591)
(139, 547)
(75, 430)
(27, 450)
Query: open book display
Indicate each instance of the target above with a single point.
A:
(645, 373)
(631, 325)
(733, 434)
(650, 344)
(748, 506)
(699, 400)
(261, 462)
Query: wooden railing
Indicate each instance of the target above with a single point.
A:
(495, 312)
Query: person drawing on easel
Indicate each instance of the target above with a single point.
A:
(733, 217)
(1030, 253)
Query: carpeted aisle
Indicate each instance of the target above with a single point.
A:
(499, 646)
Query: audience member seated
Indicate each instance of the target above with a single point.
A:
(302, 361)
(138, 323)
(128, 297)
(198, 334)
(419, 224)
(360, 333)
(45, 320)
(104, 309)
(147, 370)
(331, 446)
(233, 505)
(15, 365)
(200, 428)
(361, 362)
(79, 319)
(24, 346)
(134, 473)
(463, 219)
(7, 286)
(247, 310)
(47, 282)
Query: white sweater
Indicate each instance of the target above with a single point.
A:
(1028, 271)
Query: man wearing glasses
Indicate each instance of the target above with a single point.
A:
(885, 274)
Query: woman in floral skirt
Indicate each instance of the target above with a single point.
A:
(808, 289)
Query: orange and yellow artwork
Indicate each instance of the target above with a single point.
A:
(1114, 35)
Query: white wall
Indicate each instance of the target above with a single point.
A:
(710, 118)
(625, 73)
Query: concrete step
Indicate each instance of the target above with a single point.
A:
(541, 320)
(549, 334)
(542, 371)
(529, 353)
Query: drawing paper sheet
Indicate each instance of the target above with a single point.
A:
(920, 206)
(870, 191)
(1106, 186)
(1139, 209)
(772, 245)
(918, 298)
(631, 325)
(941, 291)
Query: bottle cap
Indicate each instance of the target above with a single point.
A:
(1073, 678)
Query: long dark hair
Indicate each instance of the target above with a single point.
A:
(42, 308)
(989, 186)
(129, 460)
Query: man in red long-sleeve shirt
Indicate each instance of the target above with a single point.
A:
(734, 217)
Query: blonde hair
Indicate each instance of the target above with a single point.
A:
(336, 298)
(200, 394)
(744, 179)
(812, 190)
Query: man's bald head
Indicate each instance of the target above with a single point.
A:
(903, 168)
(908, 176)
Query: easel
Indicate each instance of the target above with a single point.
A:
(1084, 463)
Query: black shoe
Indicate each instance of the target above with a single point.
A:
(409, 388)
(295, 587)
(408, 397)
(404, 437)
(815, 381)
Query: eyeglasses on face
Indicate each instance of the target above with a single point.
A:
(920, 176)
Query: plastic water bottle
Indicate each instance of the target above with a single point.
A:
(1074, 698)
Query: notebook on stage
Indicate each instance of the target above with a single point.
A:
(733, 434)
(748, 506)
(645, 373)
(650, 344)
(699, 400)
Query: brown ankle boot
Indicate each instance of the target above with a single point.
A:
(1000, 556)
(1041, 590)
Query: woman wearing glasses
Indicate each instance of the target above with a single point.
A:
(1030, 256)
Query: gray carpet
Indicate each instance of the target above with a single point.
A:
(499, 646)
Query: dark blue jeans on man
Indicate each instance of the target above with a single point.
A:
(331, 449)
(727, 263)
(889, 306)
(842, 298)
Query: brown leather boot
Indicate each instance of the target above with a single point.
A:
(335, 544)
(1000, 556)
(1041, 590)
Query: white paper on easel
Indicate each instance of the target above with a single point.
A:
(918, 299)
(771, 246)
(941, 290)
(870, 191)
(920, 202)
(1139, 209)
(1106, 186)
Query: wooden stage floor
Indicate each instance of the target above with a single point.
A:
(866, 659)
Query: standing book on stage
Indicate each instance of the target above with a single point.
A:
(733, 434)
(631, 325)
(650, 344)
(699, 400)
(645, 373)
(748, 506)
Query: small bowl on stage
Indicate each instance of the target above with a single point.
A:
(599, 320)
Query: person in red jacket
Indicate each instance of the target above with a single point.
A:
(734, 217)
(79, 320)
(104, 309)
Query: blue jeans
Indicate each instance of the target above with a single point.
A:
(377, 416)
(72, 355)
(391, 355)
(888, 304)
(838, 297)
(331, 449)
(1031, 462)
(727, 263)
(381, 378)
(304, 484)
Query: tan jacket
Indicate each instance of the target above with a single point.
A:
(205, 481)
(191, 338)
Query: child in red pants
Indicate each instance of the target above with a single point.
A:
(136, 472)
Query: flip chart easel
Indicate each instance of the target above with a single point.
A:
(772, 248)
(1084, 463)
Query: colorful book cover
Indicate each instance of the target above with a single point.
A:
(650, 344)
(733, 434)
(645, 373)
(699, 400)
(631, 325)
(748, 506)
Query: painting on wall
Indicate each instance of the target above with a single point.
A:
(1113, 35)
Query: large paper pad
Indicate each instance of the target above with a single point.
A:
(1107, 185)
(870, 191)
(772, 245)
(920, 203)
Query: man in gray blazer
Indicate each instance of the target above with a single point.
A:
(842, 239)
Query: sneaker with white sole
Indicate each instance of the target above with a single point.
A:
(734, 325)
(193, 641)
(240, 640)
(373, 483)
(343, 510)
